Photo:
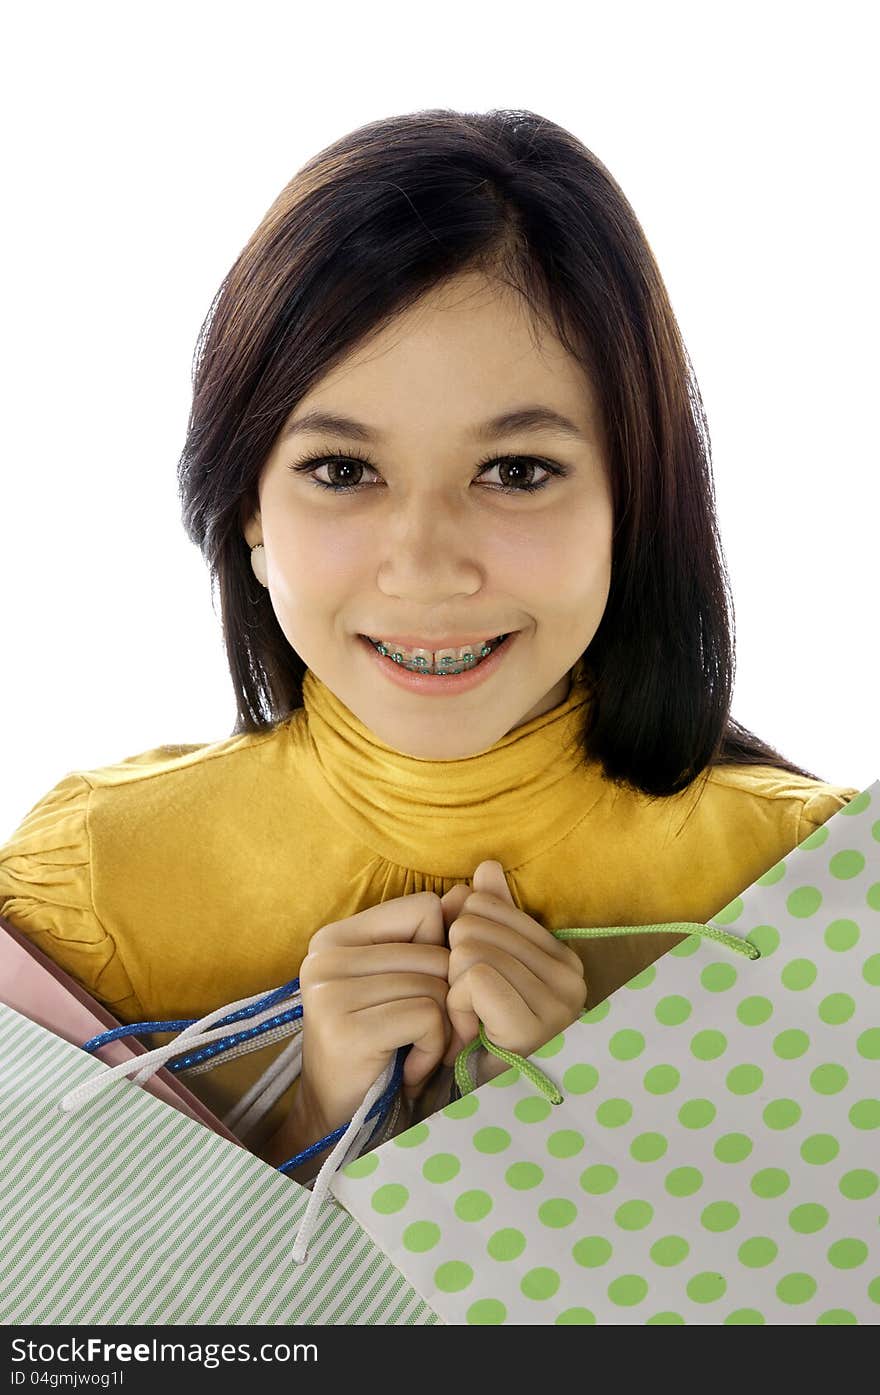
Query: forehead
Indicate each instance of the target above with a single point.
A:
(466, 350)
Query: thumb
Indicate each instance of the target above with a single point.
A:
(489, 877)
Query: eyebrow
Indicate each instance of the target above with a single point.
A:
(530, 418)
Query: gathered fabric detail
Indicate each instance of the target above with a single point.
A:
(444, 816)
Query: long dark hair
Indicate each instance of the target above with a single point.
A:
(359, 234)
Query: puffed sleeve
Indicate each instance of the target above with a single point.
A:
(46, 893)
(819, 807)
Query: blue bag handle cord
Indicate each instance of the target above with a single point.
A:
(379, 1110)
(276, 995)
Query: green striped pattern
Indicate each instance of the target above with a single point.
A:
(131, 1212)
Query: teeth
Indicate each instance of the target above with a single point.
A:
(439, 661)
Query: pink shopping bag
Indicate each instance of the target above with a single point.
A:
(35, 986)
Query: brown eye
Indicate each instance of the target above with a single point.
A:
(341, 472)
(519, 466)
(340, 469)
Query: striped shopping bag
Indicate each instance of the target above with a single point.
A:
(129, 1211)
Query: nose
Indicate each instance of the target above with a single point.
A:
(429, 551)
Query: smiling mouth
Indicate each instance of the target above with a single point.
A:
(439, 663)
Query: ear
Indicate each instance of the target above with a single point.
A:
(251, 524)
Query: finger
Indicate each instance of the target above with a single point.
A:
(489, 876)
(352, 996)
(542, 998)
(472, 930)
(485, 995)
(452, 902)
(418, 917)
(415, 1022)
(353, 961)
(493, 908)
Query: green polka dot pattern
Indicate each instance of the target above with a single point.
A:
(715, 1156)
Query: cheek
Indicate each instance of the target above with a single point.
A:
(594, 575)
(566, 563)
(316, 562)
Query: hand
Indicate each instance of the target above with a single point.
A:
(371, 983)
(506, 970)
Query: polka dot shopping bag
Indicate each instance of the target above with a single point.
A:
(715, 1155)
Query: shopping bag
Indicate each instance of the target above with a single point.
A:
(34, 985)
(715, 1158)
(129, 1211)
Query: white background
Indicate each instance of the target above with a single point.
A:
(142, 145)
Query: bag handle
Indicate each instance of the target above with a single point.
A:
(542, 1082)
(196, 1033)
(274, 1027)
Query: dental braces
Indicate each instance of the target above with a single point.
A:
(444, 666)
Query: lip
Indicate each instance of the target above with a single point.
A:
(434, 685)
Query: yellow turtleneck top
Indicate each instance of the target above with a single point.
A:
(186, 877)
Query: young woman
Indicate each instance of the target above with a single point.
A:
(448, 465)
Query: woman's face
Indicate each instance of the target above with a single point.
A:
(424, 544)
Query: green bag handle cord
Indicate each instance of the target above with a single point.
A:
(532, 1072)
